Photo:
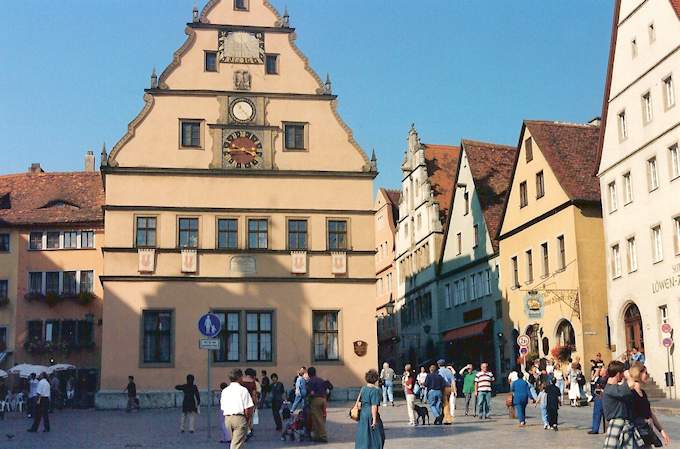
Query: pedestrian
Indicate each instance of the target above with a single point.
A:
(300, 390)
(599, 382)
(277, 390)
(449, 385)
(317, 406)
(370, 431)
(131, 389)
(434, 383)
(617, 402)
(553, 401)
(576, 381)
(55, 392)
(226, 436)
(265, 384)
(542, 402)
(644, 419)
(454, 392)
(420, 381)
(596, 364)
(71, 391)
(387, 379)
(237, 407)
(520, 398)
(483, 384)
(513, 376)
(42, 405)
(558, 374)
(636, 356)
(248, 382)
(3, 397)
(469, 389)
(408, 381)
(190, 403)
(32, 394)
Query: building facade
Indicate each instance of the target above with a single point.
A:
(54, 309)
(386, 218)
(427, 184)
(639, 175)
(552, 242)
(471, 308)
(238, 190)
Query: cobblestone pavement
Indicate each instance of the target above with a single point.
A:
(158, 429)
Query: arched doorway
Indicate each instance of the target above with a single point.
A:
(532, 333)
(565, 334)
(633, 325)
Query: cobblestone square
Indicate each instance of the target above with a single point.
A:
(158, 429)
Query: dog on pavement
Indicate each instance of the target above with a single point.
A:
(421, 413)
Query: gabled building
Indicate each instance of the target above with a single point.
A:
(52, 231)
(386, 219)
(238, 190)
(428, 179)
(639, 172)
(552, 242)
(471, 312)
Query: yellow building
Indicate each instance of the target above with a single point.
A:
(551, 241)
(238, 189)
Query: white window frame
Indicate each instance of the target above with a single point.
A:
(447, 296)
(647, 108)
(627, 188)
(669, 92)
(657, 244)
(651, 32)
(631, 246)
(623, 126)
(676, 225)
(514, 268)
(615, 255)
(613, 197)
(545, 259)
(652, 174)
(674, 161)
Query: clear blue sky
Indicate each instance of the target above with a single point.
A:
(72, 71)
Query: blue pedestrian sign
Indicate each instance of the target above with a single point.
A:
(209, 325)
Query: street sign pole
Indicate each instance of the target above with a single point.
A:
(668, 361)
(209, 393)
(210, 326)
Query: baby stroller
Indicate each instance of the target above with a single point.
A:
(295, 424)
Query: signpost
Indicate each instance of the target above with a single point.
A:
(667, 342)
(210, 326)
(523, 341)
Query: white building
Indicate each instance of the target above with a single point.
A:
(471, 308)
(427, 183)
(640, 180)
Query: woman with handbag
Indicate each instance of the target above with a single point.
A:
(643, 417)
(370, 432)
(576, 380)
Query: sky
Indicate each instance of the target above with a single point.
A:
(72, 72)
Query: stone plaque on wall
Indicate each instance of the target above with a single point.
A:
(242, 265)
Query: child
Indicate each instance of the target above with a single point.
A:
(553, 400)
(542, 401)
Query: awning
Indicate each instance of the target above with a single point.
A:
(471, 330)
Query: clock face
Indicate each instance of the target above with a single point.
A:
(242, 110)
(242, 149)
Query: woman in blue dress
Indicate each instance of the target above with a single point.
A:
(520, 398)
(370, 433)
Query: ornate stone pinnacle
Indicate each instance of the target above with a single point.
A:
(154, 79)
(194, 13)
(104, 157)
(328, 86)
(374, 160)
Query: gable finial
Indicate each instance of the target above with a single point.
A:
(374, 160)
(328, 86)
(154, 79)
(104, 157)
(194, 13)
(285, 20)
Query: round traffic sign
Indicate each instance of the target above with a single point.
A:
(523, 350)
(523, 340)
(209, 325)
(667, 342)
(666, 328)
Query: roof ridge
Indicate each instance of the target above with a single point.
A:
(441, 145)
(560, 123)
(498, 145)
(51, 173)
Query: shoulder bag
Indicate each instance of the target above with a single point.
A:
(356, 409)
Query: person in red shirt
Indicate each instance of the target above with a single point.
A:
(408, 382)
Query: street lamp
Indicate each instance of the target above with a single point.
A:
(389, 307)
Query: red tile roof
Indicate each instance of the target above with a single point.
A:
(676, 6)
(51, 198)
(441, 162)
(571, 150)
(491, 166)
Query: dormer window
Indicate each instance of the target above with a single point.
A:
(241, 5)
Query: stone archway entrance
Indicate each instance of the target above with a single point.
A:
(565, 334)
(633, 327)
(532, 333)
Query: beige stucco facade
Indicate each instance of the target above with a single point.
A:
(284, 294)
(640, 182)
(9, 265)
(572, 285)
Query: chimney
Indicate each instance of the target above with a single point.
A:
(35, 168)
(89, 161)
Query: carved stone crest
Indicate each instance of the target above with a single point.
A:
(360, 348)
(241, 80)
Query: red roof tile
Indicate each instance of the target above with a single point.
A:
(51, 198)
(676, 6)
(441, 162)
(491, 166)
(571, 150)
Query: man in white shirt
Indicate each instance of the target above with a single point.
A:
(32, 394)
(42, 408)
(237, 406)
